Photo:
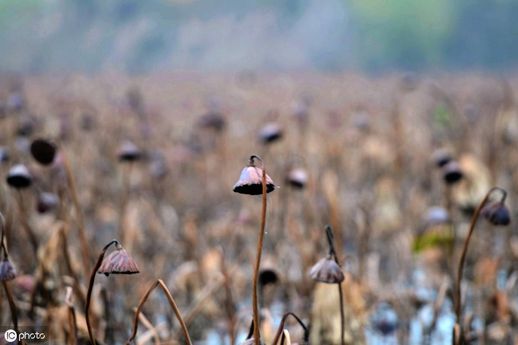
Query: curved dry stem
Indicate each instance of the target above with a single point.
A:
(255, 298)
(90, 288)
(12, 306)
(159, 283)
(460, 269)
(280, 329)
(332, 252)
(251, 160)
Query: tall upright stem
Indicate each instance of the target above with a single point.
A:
(332, 252)
(255, 298)
(79, 213)
(160, 283)
(24, 218)
(90, 288)
(460, 269)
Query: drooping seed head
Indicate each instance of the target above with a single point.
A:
(25, 127)
(327, 271)
(19, 177)
(213, 120)
(250, 181)
(452, 173)
(129, 152)
(441, 157)
(297, 178)
(118, 262)
(7, 270)
(46, 202)
(43, 151)
(496, 213)
(268, 276)
(270, 133)
(385, 320)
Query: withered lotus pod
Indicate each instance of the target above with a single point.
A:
(385, 319)
(46, 202)
(118, 262)
(270, 133)
(129, 152)
(43, 151)
(497, 213)
(212, 120)
(268, 276)
(441, 157)
(7, 270)
(250, 180)
(327, 271)
(297, 178)
(452, 173)
(19, 177)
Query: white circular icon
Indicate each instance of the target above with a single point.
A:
(10, 335)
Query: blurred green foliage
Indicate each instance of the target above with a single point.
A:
(136, 35)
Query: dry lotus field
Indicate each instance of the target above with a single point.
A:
(247, 208)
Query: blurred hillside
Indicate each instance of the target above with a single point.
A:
(140, 36)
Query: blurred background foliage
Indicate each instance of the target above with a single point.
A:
(140, 36)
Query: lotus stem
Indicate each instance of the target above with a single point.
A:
(459, 338)
(90, 288)
(161, 284)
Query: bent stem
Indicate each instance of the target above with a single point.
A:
(281, 327)
(332, 252)
(255, 305)
(161, 284)
(459, 337)
(90, 288)
(12, 305)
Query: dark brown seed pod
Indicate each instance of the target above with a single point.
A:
(7, 270)
(385, 320)
(43, 151)
(129, 152)
(497, 213)
(25, 127)
(327, 271)
(213, 120)
(250, 181)
(270, 133)
(297, 178)
(268, 276)
(452, 173)
(441, 157)
(19, 177)
(46, 202)
(118, 262)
